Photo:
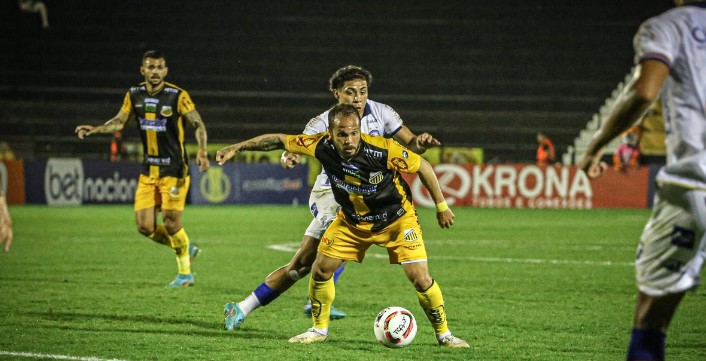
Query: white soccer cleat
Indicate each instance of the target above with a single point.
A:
(310, 336)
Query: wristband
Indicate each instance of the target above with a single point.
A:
(442, 207)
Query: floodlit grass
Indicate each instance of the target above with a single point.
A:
(518, 284)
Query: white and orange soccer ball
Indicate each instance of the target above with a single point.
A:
(395, 327)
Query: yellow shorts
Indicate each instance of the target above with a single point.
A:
(402, 239)
(168, 193)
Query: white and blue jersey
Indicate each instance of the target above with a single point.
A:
(678, 39)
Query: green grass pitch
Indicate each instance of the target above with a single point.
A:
(518, 284)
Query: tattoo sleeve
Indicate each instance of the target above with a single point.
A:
(264, 143)
(194, 118)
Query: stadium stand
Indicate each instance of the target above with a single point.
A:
(476, 74)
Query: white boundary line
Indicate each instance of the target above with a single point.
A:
(293, 247)
(54, 357)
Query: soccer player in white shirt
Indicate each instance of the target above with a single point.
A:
(670, 52)
(349, 85)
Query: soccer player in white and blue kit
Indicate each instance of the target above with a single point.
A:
(349, 85)
(671, 63)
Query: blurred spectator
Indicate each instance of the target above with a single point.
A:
(627, 155)
(545, 152)
(5, 221)
(117, 148)
(6, 152)
(34, 6)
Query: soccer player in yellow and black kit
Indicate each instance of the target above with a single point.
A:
(160, 109)
(376, 208)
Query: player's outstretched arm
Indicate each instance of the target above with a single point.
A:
(264, 142)
(416, 143)
(632, 102)
(194, 118)
(444, 215)
(113, 125)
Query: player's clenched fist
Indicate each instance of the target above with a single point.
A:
(226, 153)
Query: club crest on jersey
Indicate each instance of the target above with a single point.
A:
(400, 163)
(376, 177)
(166, 111)
(305, 142)
(410, 235)
(327, 241)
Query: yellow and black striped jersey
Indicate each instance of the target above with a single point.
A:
(368, 187)
(160, 121)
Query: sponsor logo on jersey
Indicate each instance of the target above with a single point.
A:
(305, 142)
(410, 235)
(158, 125)
(327, 241)
(151, 105)
(166, 111)
(699, 34)
(405, 154)
(376, 177)
(158, 161)
(375, 132)
(171, 90)
(373, 152)
(400, 163)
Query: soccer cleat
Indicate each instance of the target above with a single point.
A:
(310, 336)
(453, 341)
(234, 316)
(194, 251)
(336, 314)
(182, 281)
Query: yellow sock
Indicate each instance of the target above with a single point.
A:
(160, 236)
(432, 302)
(180, 244)
(322, 295)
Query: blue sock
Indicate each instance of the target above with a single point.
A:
(266, 294)
(646, 345)
(337, 274)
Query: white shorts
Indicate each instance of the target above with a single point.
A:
(672, 248)
(324, 208)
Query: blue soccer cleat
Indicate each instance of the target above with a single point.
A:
(182, 281)
(194, 251)
(336, 314)
(234, 316)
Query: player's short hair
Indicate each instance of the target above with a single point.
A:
(348, 72)
(153, 54)
(341, 110)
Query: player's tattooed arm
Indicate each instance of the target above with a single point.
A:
(194, 118)
(261, 143)
(113, 125)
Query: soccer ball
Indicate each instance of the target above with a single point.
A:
(395, 327)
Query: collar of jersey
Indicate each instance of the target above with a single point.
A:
(367, 110)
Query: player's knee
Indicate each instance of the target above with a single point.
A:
(145, 229)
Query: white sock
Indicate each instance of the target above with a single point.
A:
(441, 337)
(322, 331)
(249, 303)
